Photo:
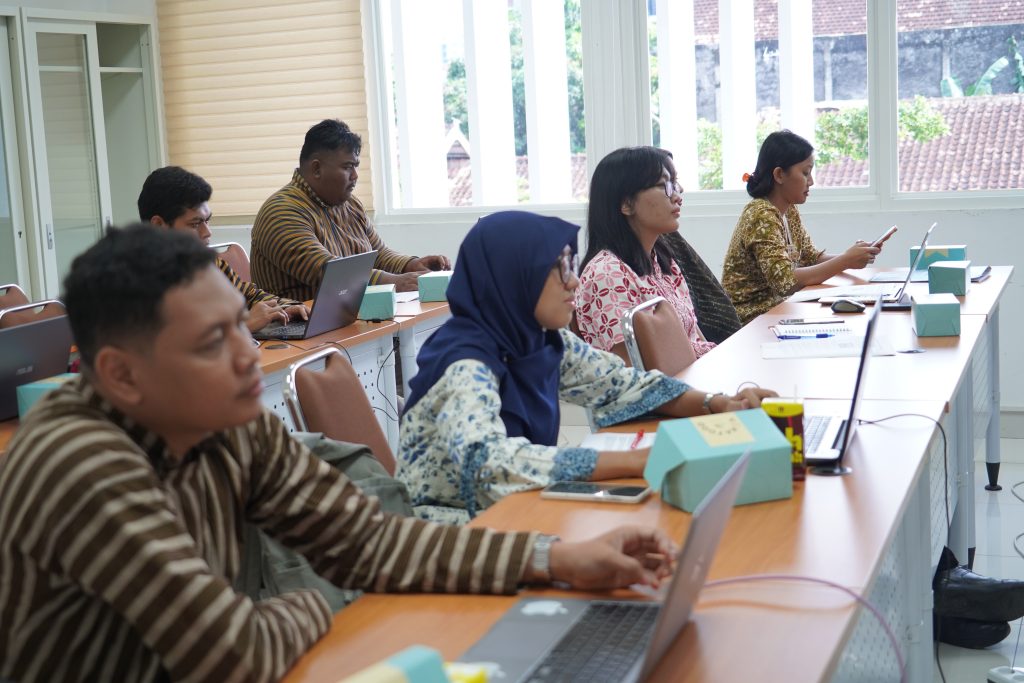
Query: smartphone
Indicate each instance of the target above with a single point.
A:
(888, 233)
(599, 493)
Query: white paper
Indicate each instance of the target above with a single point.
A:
(832, 347)
(809, 331)
(615, 441)
(406, 297)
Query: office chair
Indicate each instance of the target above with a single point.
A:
(334, 402)
(234, 255)
(29, 312)
(12, 295)
(655, 339)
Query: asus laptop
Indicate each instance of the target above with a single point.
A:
(894, 297)
(827, 437)
(337, 300)
(560, 639)
(29, 353)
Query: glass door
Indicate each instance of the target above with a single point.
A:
(13, 233)
(69, 141)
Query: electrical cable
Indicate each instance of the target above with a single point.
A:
(811, 579)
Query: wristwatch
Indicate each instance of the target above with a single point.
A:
(540, 563)
(708, 398)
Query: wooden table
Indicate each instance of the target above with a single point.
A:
(7, 428)
(845, 529)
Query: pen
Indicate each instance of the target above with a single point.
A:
(820, 335)
(636, 440)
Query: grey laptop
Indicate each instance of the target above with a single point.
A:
(29, 353)
(337, 300)
(559, 639)
(827, 437)
(893, 297)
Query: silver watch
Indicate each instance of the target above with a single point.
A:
(540, 562)
(708, 398)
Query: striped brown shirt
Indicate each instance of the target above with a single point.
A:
(296, 233)
(116, 561)
(253, 294)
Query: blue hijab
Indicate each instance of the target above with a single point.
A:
(502, 266)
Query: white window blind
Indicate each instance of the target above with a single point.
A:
(243, 81)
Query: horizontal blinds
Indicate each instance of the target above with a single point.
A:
(244, 79)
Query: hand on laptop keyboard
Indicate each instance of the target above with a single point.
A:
(265, 312)
(616, 559)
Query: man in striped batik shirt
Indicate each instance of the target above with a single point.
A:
(124, 492)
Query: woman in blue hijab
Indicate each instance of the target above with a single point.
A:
(482, 417)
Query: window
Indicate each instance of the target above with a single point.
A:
(961, 95)
(482, 102)
(720, 84)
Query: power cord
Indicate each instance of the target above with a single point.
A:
(945, 498)
(945, 457)
(893, 642)
(380, 369)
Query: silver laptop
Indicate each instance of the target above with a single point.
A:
(894, 297)
(827, 437)
(29, 353)
(337, 300)
(559, 639)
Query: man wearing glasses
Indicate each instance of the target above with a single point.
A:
(177, 199)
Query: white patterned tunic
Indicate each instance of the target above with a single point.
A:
(456, 458)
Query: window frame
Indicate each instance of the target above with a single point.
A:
(880, 194)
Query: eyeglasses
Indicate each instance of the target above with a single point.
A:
(195, 223)
(671, 187)
(568, 265)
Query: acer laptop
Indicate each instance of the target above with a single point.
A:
(827, 437)
(563, 639)
(337, 300)
(29, 353)
(894, 297)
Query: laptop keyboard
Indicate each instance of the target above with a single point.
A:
(603, 645)
(814, 432)
(284, 331)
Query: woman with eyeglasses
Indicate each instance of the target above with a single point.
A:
(634, 205)
(482, 417)
(770, 255)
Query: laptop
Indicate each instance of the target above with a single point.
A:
(29, 353)
(337, 300)
(827, 437)
(894, 297)
(562, 639)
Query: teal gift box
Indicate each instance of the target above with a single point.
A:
(938, 252)
(935, 315)
(29, 394)
(691, 455)
(378, 303)
(416, 664)
(949, 277)
(434, 285)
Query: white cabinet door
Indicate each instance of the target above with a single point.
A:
(68, 140)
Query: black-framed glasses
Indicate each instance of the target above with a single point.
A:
(671, 187)
(568, 265)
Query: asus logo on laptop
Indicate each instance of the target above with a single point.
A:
(342, 292)
(24, 371)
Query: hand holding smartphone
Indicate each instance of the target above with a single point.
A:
(595, 493)
(886, 235)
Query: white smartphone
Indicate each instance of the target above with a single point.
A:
(599, 493)
(886, 235)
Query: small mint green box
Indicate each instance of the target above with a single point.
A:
(938, 252)
(434, 285)
(691, 455)
(378, 303)
(935, 315)
(415, 664)
(949, 277)
(29, 394)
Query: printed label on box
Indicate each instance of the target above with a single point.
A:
(724, 429)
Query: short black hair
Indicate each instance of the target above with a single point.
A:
(171, 191)
(781, 149)
(115, 288)
(329, 135)
(619, 177)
